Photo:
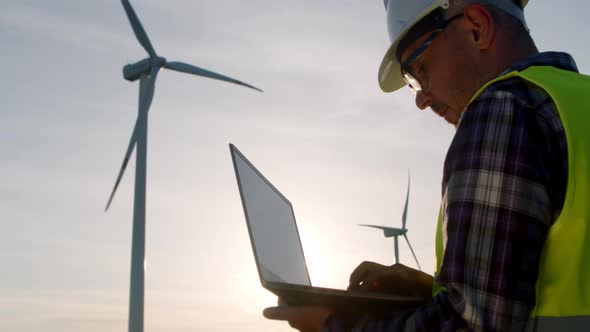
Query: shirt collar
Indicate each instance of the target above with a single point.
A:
(559, 60)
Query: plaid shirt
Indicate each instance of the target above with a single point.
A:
(503, 186)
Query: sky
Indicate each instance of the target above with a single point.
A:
(322, 132)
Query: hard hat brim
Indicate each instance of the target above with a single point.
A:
(390, 75)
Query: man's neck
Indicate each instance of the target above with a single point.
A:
(504, 59)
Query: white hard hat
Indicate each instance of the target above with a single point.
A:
(413, 18)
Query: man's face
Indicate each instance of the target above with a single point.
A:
(442, 72)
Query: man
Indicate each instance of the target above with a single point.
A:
(513, 239)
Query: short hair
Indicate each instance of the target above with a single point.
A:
(519, 32)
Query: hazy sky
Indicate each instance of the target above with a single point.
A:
(322, 132)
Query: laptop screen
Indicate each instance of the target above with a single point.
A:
(272, 227)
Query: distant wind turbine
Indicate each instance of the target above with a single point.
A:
(395, 232)
(146, 71)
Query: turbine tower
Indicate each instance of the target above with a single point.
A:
(146, 72)
(395, 232)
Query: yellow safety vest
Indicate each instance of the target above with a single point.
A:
(563, 283)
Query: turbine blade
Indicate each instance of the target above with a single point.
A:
(190, 69)
(387, 231)
(138, 29)
(375, 226)
(124, 165)
(145, 103)
(412, 250)
(405, 214)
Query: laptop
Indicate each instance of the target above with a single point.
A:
(278, 252)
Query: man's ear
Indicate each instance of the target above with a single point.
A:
(481, 24)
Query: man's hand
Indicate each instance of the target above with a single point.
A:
(302, 318)
(396, 279)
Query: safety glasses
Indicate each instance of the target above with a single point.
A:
(412, 81)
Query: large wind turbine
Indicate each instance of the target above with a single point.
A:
(146, 71)
(395, 232)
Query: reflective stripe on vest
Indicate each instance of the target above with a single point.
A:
(563, 284)
(559, 324)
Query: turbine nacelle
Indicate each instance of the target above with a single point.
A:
(132, 72)
(390, 232)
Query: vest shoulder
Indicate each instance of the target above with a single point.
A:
(529, 85)
(516, 89)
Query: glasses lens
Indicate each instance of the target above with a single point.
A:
(412, 82)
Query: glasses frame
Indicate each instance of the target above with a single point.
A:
(412, 81)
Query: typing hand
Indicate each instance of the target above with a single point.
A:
(397, 279)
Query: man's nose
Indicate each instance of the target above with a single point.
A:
(423, 99)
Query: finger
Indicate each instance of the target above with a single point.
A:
(371, 281)
(278, 313)
(271, 313)
(360, 273)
